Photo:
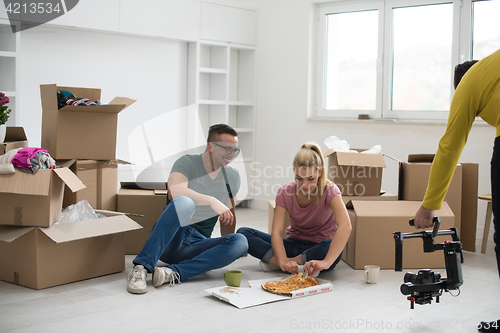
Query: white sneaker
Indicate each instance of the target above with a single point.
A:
(163, 275)
(269, 267)
(137, 280)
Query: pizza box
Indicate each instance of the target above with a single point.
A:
(245, 297)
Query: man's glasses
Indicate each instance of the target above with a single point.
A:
(229, 150)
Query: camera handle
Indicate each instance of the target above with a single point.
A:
(428, 238)
(399, 236)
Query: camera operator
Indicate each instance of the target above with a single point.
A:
(477, 95)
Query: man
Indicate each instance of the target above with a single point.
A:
(201, 188)
(477, 94)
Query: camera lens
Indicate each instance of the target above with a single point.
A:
(409, 277)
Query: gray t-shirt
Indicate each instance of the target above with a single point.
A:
(191, 166)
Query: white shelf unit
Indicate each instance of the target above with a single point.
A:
(9, 46)
(221, 85)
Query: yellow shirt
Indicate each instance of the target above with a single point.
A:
(477, 95)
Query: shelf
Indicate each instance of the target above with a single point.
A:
(212, 86)
(241, 103)
(7, 54)
(213, 70)
(8, 77)
(241, 75)
(241, 117)
(211, 102)
(7, 39)
(243, 130)
(213, 56)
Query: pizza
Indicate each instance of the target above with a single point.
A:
(286, 286)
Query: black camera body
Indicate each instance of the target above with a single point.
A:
(427, 284)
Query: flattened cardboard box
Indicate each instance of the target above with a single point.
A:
(355, 173)
(245, 297)
(14, 138)
(147, 203)
(45, 257)
(35, 199)
(80, 132)
(346, 199)
(100, 179)
(372, 243)
(461, 195)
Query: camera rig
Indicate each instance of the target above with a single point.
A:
(426, 284)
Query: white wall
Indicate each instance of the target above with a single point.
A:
(283, 74)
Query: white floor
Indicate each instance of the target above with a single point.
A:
(103, 304)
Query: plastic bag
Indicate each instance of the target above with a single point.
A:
(81, 211)
(377, 149)
(336, 144)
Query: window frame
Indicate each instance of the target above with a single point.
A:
(460, 51)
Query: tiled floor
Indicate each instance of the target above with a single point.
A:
(103, 304)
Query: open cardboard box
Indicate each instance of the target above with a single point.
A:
(355, 173)
(245, 297)
(15, 138)
(146, 207)
(80, 132)
(372, 241)
(44, 257)
(35, 199)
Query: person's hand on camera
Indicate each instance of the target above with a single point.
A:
(423, 218)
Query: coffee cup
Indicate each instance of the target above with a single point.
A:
(232, 278)
(372, 273)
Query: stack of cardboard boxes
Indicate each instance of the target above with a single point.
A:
(376, 215)
(38, 253)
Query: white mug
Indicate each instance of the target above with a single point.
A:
(372, 273)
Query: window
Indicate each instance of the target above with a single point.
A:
(351, 52)
(485, 38)
(394, 59)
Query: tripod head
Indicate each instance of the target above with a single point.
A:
(426, 284)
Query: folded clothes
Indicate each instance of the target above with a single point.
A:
(80, 101)
(31, 159)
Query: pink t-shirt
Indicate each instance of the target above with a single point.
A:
(314, 222)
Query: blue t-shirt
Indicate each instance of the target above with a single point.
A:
(191, 166)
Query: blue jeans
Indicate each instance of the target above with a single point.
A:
(259, 246)
(188, 252)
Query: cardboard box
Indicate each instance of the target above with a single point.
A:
(346, 199)
(468, 221)
(35, 199)
(271, 206)
(355, 173)
(44, 257)
(150, 204)
(14, 138)
(100, 179)
(461, 195)
(372, 243)
(80, 132)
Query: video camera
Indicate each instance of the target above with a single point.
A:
(426, 284)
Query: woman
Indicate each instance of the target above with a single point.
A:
(319, 223)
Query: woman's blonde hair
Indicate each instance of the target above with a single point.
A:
(310, 155)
